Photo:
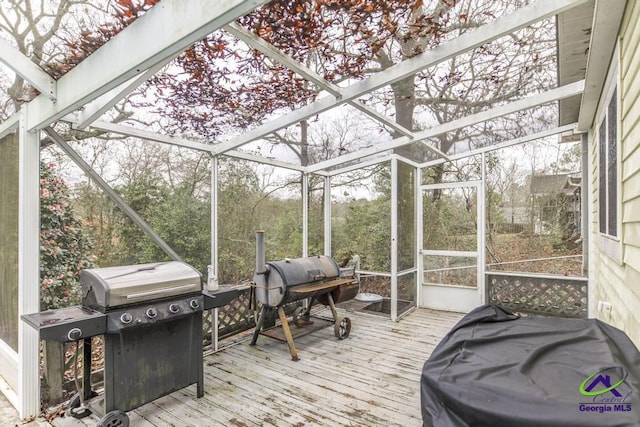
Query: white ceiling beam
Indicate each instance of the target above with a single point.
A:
(604, 35)
(512, 107)
(165, 30)
(146, 135)
(521, 18)
(505, 144)
(361, 165)
(150, 136)
(551, 95)
(26, 69)
(252, 40)
(258, 43)
(96, 108)
(264, 160)
(10, 125)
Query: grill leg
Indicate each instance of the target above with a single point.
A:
(287, 334)
(86, 369)
(263, 312)
(332, 306)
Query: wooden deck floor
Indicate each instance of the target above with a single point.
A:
(368, 379)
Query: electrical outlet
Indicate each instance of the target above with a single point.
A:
(606, 308)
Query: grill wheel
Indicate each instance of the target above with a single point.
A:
(114, 419)
(342, 327)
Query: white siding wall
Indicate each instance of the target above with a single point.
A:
(618, 281)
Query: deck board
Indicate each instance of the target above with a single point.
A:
(369, 379)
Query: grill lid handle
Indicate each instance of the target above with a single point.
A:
(157, 292)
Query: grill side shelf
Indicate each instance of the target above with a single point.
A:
(67, 324)
(223, 296)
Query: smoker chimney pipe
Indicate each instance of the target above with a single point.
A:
(260, 253)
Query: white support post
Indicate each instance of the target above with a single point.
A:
(214, 242)
(305, 215)
(584, 203)
(482, 230)
(28, 268)
(419, 235)
(394, 239)
(214, 213)
(327, 216)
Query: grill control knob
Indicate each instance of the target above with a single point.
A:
(194, 304)
(126, 318)
(74, 334)
(151, 312)
(174, 308)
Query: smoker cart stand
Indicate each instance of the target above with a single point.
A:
(312, 278)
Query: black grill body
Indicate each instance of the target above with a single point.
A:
(151, 318)
(147, 362)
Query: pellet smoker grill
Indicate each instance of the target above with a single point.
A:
(151, 318)
(318, 278)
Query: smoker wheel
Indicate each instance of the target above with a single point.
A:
(300, 317)
(74, 410)
(342, 327)
(114, 419)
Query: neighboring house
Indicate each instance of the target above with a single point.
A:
(555, 205)
(610, 113)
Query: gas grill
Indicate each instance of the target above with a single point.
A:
(317, 278)
(151, 319)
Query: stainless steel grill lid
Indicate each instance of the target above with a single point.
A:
(106, 288)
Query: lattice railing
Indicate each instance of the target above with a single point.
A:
(233, 318)
(239, 315)
(546, 295)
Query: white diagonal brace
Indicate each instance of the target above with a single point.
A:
(26, 69)
(512, 107)
(521, 18)
(272, 52)
(96, 108)
(113, 195)
(381, 118)
(169, 28)
(150, 136)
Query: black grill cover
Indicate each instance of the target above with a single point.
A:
(497, 369)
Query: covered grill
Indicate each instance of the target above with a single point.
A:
(151, 319)
(318, 278)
